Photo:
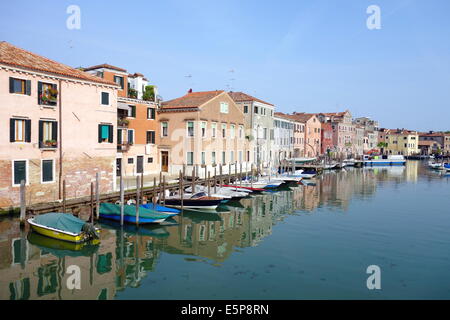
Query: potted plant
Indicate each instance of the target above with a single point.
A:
(132, 93)
(50, 143)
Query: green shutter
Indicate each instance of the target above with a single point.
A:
(41, 132)
(12, 129)
(99, 133)
(28, 87)
(47, 170)
(11, 85)
(28, 130)
(110, 134)
(20, 172)
(55, 130)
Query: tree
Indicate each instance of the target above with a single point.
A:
(149, 93)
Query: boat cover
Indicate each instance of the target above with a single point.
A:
(60, 221)
(114, 209)
(159, 208)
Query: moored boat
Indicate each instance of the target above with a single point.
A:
(162, 209)
(64, 226)
(111, 211)
(198, 200)
(391, 160)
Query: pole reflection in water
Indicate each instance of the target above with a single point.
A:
(302, 241)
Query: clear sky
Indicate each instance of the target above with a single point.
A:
(301, 55)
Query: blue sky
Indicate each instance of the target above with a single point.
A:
(301, 55)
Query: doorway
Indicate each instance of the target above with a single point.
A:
(139, 164)
(164, 161)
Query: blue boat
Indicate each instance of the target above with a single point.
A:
(111, 211)
(159, 208)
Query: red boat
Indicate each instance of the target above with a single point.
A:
(247, 188)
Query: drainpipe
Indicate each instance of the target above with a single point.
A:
(60, 141)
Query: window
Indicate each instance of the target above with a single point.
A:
(130, 160)
(241, 132)
(47, 93)
(19, 86)
(203, 158)
(240, 157)
(105, 98)
(203, 124)
(231, 156)
(119, 81)
(190, 128)
(20, 130)
(245, 109)
(224, 130)
(165, 129)
(151, 137)
(47, 174)
(190, 158)
(213, 157)
(224, 107)
(20, 172)
(223, 157)
(149, 160)
(213, 127)
(151, 115)
(48, 134)
(105, 133)
(256, 110)
(132, 111)
(130, 136)
(232, 131)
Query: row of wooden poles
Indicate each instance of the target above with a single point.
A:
(95, 190)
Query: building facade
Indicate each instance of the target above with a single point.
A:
(401, 142)
(283, 147)
(138, 128)
(442, 140)
(258, 116)
(203, 129)
(56, 128)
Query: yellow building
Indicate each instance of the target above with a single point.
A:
(404, 142)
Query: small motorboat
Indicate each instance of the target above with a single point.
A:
(199, 200)
(111, 211)
(252, 189)
(162, 209)
(437, 165)
(391, 160)
(61, 249)
(226, 193)
(262, 183)
(306, 174)
(64, 226)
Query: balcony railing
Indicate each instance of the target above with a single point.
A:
(123, 147)
(121, 122)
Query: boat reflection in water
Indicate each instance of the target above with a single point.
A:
(32, 267)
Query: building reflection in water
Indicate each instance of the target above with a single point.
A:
(127, 255)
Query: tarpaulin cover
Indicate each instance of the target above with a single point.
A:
(61, 221)
(114, 209)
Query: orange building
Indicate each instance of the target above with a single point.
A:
(137, 135)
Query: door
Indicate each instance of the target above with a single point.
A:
(164, 161)
(118, 167)
(140, 164)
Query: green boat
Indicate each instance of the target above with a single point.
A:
(111, 211)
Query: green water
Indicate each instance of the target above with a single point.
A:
(302, 242)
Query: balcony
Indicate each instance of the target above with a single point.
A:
(122, 122)
(123, 147)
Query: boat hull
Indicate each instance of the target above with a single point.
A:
(193, 204)
(131, 219)
(385, 163)
(58, 234)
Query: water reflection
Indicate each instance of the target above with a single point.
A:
(33, 267)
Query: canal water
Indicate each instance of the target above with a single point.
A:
(301, 242)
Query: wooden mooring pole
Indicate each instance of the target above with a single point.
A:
(154, 193)
(64, 196)
(92, 202)
(22, 204)
(122, 197)
(215, 179)
(138, 183)
(209, 185)
(97, 195)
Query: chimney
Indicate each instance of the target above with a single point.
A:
(190, 90)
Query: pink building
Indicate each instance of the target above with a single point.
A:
(344, 131)
(58, 124)
(312, 132)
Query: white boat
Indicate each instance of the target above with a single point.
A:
(437, 165)
(391, 160)
(223, 192)
(349, 162)
(261, 183)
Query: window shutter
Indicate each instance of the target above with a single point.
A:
(39, 92)
(119, 136)
(41, 131)
(99, 133)
(11, 85)
(110, 136)
(55, 130)
(28, 87)
(27, 130)
(12, 129)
